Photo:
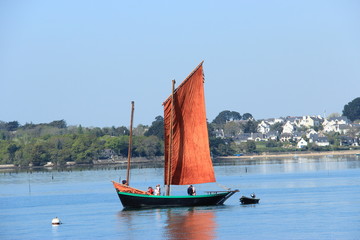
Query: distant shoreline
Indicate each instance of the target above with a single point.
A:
(293, 154)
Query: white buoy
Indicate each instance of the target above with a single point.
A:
(56, 221)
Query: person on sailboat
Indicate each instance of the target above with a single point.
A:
(157, 190)
(150, 190)
(191, 190)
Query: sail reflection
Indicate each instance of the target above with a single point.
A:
(190, 224)
(168, 223)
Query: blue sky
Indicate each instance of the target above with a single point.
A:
(85, 61)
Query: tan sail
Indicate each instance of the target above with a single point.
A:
(189, 159)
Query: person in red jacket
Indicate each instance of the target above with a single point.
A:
(150, 190)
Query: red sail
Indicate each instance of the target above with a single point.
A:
(190, 152)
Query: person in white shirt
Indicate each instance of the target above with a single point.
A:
(157, 190)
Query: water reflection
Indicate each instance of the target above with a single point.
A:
(172, 223)
(191, 224)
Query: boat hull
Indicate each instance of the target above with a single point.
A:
(247, 200)
(131, 200)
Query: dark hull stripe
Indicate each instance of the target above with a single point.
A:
(130, 200)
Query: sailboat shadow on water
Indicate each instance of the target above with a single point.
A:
(187, 151)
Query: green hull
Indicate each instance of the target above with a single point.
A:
(131, 200)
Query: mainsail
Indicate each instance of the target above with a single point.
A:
(184, 111)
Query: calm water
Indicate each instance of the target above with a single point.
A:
(302, 198)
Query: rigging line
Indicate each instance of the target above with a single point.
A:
(223, 186)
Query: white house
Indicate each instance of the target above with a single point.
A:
(319, 141)
(289, 127)
(219, 133)
(309, 122)
(322, 141)
(348, 141)
(243, 137)
(272, 121)
(343, 128)
(272, 135)
(296, 136)
(294, 120)
(310, 132)
(285, 137)
(329, 128)
(302, 143)
(339, 120)
(339, 128)
(257, 137)
(263, 127)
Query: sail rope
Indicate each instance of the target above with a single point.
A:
(223, 186)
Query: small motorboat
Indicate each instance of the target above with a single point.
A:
(249, 200)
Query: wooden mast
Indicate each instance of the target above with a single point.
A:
(130, 144)
(170, 140)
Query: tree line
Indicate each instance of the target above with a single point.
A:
(56, 142)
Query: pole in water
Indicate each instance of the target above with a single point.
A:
(29, 187)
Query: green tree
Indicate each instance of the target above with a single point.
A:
(147, 146)
(98, 132)
(122, 131)
(277, 127)
(232, 128)
(352, 109)
(211, 130)
(221, 147)
(250, 126)
(333, 115)
(11, 149)
(60, 149)
(334, 138)
(226, 116)
(12, 126)
(86, 148)
(119, 145)
(247, 116)
(58, 124)
(39, 154)
(3, 151)
(2, 125)
(250, 146)
(354, 131)
(140, 130)
(272, 144)
(80, 130)
(156, 128)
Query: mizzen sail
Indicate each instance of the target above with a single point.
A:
(184, 111)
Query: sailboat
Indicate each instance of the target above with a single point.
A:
(187, 151)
